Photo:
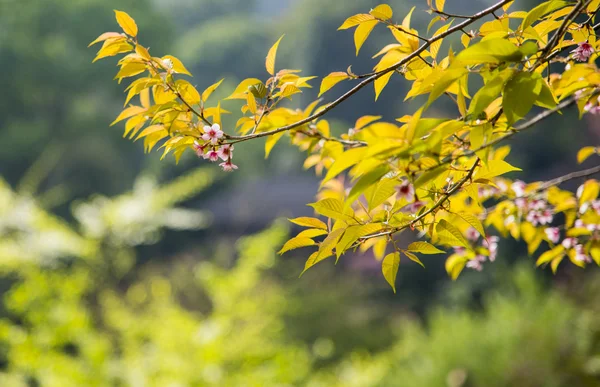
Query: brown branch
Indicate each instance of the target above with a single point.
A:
(375, 76)
(560, 32)
(570, 176)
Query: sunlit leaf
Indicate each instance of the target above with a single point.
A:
(389, 267)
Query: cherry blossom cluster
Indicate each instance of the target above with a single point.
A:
(485, 249)
(213, 151)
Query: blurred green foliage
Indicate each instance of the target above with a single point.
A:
(74, 313)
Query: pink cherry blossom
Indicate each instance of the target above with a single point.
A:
(580, 254)
(521, 203)
(212, 133)
(460, 250)
(491, 243)
(199, 148)
(568, 243)
(472, 234)
(596, 206)
(228, 166)
(553, 234)
(212, 155)
(518, 188)
(536, 217)
(583, 52)
(406, 190)
(225, 152)
(591, 108)
(579, 224)
(475, 265)
(538, 204)
(413, 208)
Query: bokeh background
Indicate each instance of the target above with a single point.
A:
(117, 269)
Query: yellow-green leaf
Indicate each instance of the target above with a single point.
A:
(389, 267)
(353, 233)
(589, 192)
(296, 243)
(496, 168)
(106, 36)
(489, 51)
(550, 255)
(362, 33)
(129, 112)
(127, 23)
(331, 208)
(177, 65)
(311, 233)
(454, 265)
(271, 56)
(414, 258)
(331, 80)
(520, 93)
(344, 161)
(151, 130)
(210, 89)
(355, 20)
(473, 221)
(382, 11)
(585, 152)
(448, 233)
(309, 222)
(424, 248)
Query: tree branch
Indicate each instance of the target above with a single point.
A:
(375, 76)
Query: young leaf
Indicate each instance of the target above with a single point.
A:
(496, 168)
(424, 248)
(127, 23)
(362, 33)
(296, 243)
(210, 89)
(381, 82)
(129, 112)
(489, 51)
(331, 208)
(473, 221)
(488, 93)
(454, 265)
(585, 152)
(311, 233)
(536, 13)
(414, 258)
(352, 234)
(332, 80)
(389, 267)
(309, 222)
(382, 11)
(105, 36)
(448, 233)
(520, 93)
(355, 20)
(177, 65)
(344, 161)
(271, 56)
